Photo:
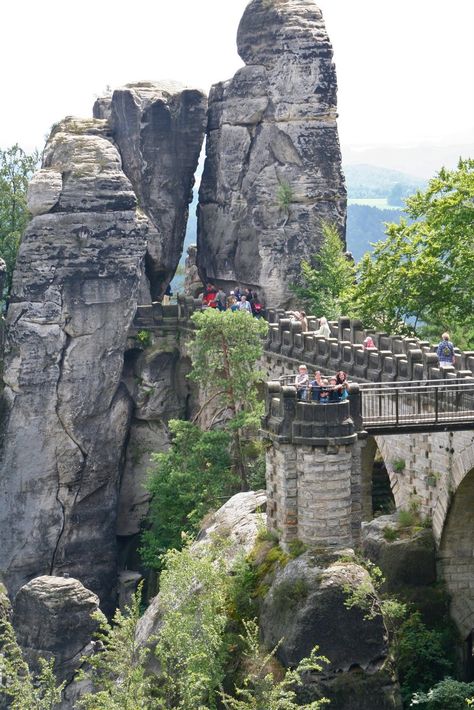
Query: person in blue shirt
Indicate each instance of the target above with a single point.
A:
(445, 351)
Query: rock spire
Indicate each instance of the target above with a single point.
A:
(273, 162)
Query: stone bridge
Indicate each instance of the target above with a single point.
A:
(319, 465)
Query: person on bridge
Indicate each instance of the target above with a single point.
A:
(323, 330)
(369, 343)
(445, 351)
(302, 383)
(341, 381)
(244, 305)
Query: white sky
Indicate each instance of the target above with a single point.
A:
(405, 67)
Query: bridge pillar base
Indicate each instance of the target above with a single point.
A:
(313, 478)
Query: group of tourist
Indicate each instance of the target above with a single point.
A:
(237, 300)
(325, 390)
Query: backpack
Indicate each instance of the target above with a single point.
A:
(446, 350)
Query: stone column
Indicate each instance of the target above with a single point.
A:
(313, 470)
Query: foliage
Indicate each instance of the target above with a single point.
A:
(448, 694)
(367, 596)
(117, 672)
(423, 655)
(23, 688)
(16, 169)
(421, 273)
(191, 650)
(144, 338)
(224, 354)
(390, 534)
(326, 280)
(285, 197)
(399, 465)
(260, 689)
(187, 481)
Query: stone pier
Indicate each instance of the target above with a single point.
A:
(313, 469)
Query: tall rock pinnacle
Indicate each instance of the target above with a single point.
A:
(159, 129)
(66, 414)
(273, 163)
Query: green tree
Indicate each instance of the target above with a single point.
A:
(260, 689)
(185, 482)
(326, 280)
(191, 646)
(16, 169)
(224, 353)
(117, 671)
(422, 272)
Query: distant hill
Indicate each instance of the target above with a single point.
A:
(422, 159)
(366, 225)
(372, 181)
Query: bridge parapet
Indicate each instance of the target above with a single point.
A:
(395, 359)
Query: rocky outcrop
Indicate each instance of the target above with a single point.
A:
(52, 618)
(305, 607)
(237, 521)
(406, 557)
(193, 285)
(159, 129)
(273, 162)
(66, 413)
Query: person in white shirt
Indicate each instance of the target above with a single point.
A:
(244, 305)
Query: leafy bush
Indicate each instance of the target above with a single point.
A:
(261, 688)
(423, 656)
(144, 338)
(448, 694)
(186, 482)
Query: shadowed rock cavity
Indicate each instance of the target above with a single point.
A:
(159, 130)
(273, 162)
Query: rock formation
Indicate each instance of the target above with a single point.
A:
(406, 559)
(273, 162)
(159, 130)
(305, 607)
(238, 521)
(66, 414)
(52, 618)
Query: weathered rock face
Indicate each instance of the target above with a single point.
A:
(159, 130)
(193, 285)
(238, 521)
(66, 414)
(52, 618)
(407, 561)
(155, 377)
(273, 164)
(305, 607)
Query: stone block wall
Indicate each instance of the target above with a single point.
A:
(313, 470)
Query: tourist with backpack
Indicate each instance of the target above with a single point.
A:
(445, 351)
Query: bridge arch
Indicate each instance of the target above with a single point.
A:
(456, 555)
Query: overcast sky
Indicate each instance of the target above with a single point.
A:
(405, 68)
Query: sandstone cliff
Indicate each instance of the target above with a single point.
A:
(273, 162)
(66, 415)
(159, 129)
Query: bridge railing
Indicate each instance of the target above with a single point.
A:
(419, 403)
